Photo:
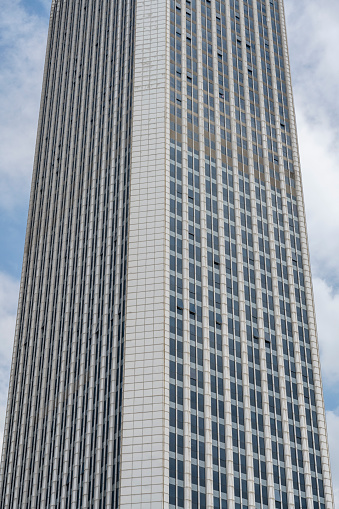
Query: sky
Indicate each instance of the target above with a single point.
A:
(313, 36)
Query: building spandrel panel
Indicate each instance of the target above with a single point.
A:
(166, 350)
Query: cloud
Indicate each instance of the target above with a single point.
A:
(313, 33)
(9, 291)
(333, 438)
(320, 170)
(313, 29)
(327, 306)
(22, 49)
(23, 31)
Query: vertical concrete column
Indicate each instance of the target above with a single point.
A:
(144, 477)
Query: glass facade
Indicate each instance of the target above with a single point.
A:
(233, 191)
(62, 445)
(166, 352)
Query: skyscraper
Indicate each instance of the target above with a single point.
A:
(166, 350)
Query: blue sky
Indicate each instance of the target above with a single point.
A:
(313, 31)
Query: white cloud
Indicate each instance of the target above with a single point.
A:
(333, 438)
(9, 291)
(320, 168)
(22, 48)
(327, 308)
(23, 29)
(313, 31)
